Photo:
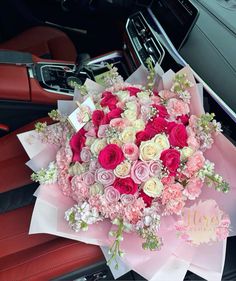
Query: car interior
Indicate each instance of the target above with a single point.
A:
(47, 44)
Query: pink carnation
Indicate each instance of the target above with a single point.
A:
(173, 199)
(166, 94)
(131, 151)
(193, 188)
(194, 163)
(140, 172)
(80, 190)
(177, 107)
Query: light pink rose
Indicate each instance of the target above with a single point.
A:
(111, 194)
(194, 163)
(85, 154)
(130, 151)
(105, 177)
(139, 172)
(88, 178)
(193, 188)
(155, 168)
(118, 123)
(176, 107)
(102, 131)
(127, 199)
(93, 166)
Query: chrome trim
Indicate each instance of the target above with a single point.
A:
(30, 72)
(162, 54)
(109, 56)
(58, 65)
(81, 31)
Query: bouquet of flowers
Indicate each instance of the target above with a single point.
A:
(132, 157)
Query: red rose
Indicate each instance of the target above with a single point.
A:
(114, 113)
(77, 142)
(170, 126)
(125, 186)
(97, 117)
(146, 199)
(108, 99)
(184, 119)
(158, 125)
(178, 136)
(142, 136)
(110, 156)
(132, 90)
(162, 111)
(171, 159)
(155, 93)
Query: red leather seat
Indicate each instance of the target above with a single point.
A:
(39, 256)
(44, 42)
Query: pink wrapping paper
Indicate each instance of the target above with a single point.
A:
(175, 256)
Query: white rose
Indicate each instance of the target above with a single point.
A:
(149, 150)
(153, 187)
(97, 146)
(130, 114)
(128, 135)
(186, 152)
(139, 125)
(123, 169)
(162, 141)
(115, 141)
(144, 95)
(122, 95)
(89, 141)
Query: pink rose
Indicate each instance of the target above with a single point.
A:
(171, 159)
(178, 136)
(110, 156)
(102, 131)
(112, 195)
(193, 188)
(105, 177)
(85, 154)
(118, 123)
(155, 168)
(176, 107)
(127, 199)
(140, 172)
(131, 151)
(88, 178)
(93, 166)
(194, 163)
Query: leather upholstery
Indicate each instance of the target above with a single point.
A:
(38, 256)
(44, 42)
(13, 171)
